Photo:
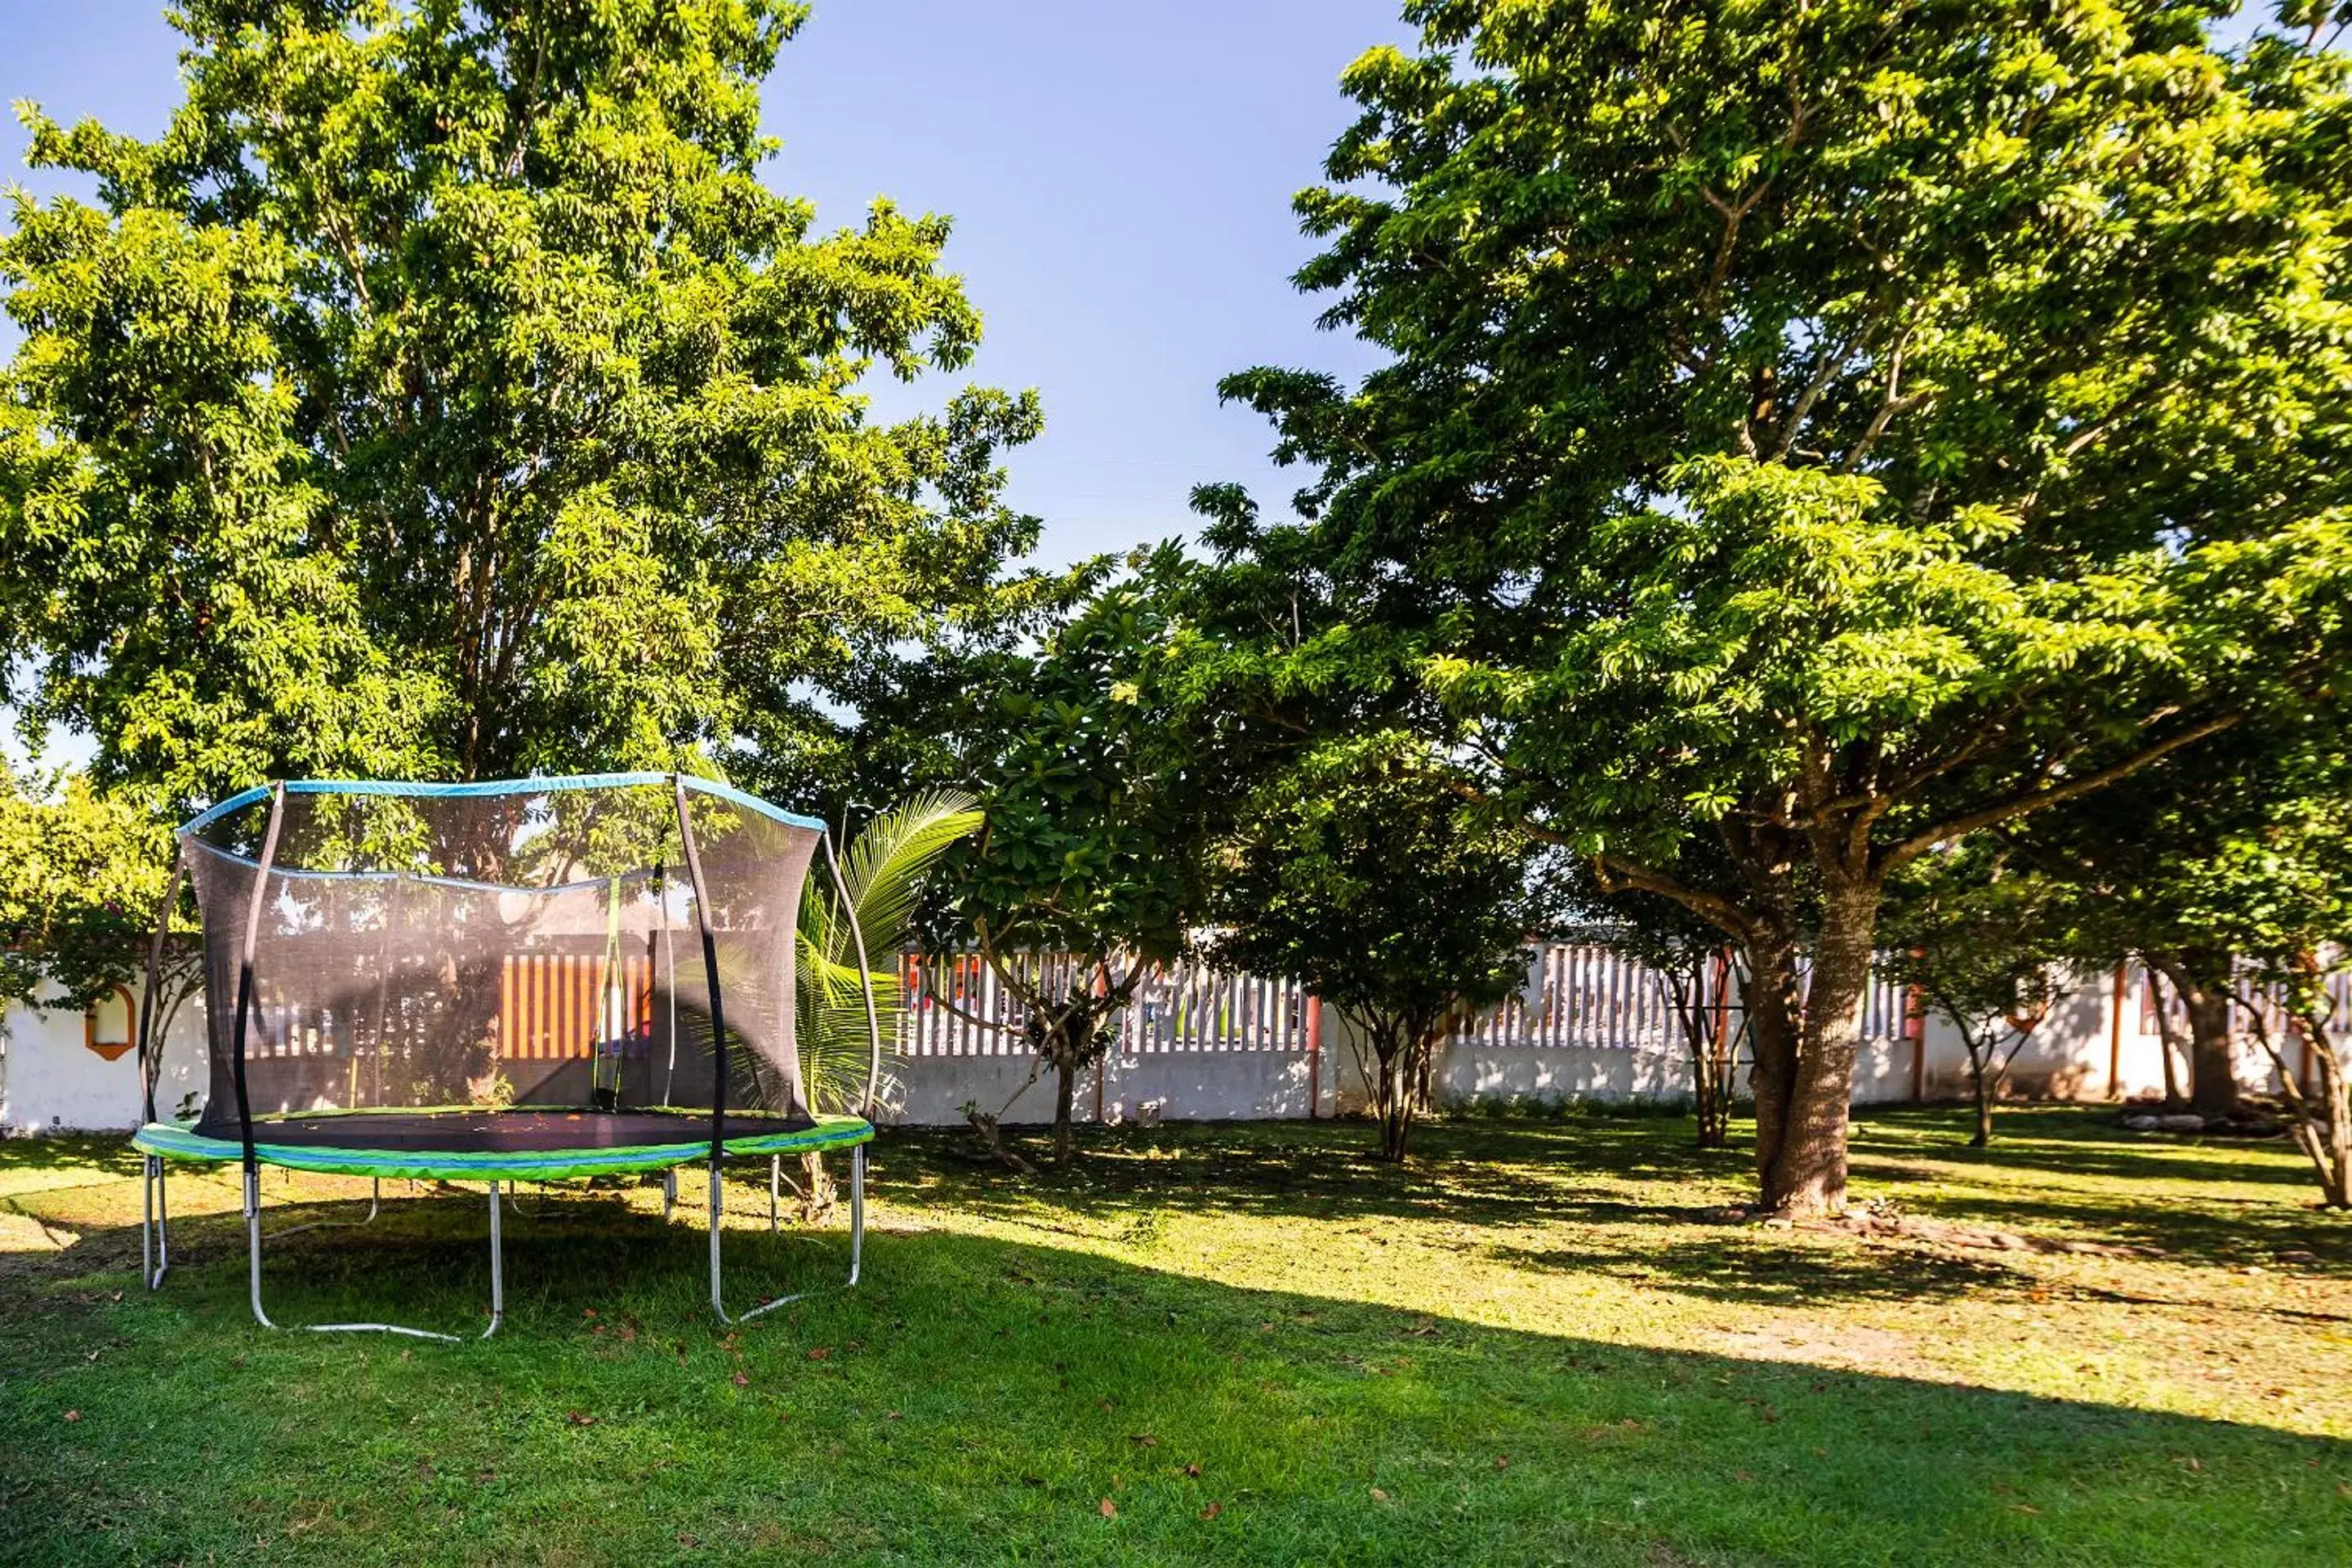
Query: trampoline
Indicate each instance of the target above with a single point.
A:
(484, 983)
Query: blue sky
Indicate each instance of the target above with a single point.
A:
(1120, 177)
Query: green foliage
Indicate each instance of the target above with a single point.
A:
(882, 873)
(445, 393)
(1361, 875)
(82, 878)
(1094, 812)
(1827, 437)
(1093, 819)
(1986, 945)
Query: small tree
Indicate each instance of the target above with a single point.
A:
(1982, 945)
(1083, 872)
(1361, 875)
(2282, 897)
(1697, 970)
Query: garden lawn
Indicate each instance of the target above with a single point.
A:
(1545, 1340)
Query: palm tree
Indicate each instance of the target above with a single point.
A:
(881, 871)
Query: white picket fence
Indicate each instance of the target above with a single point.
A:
(957, 1006)
(1579, 997)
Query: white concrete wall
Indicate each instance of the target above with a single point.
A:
(50, 1081)
(1220, 1086)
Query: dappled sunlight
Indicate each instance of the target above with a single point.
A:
(1537, 1340)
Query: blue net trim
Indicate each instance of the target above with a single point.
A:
(503, 786)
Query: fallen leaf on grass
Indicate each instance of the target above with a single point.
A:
(1194, 1471)
(1143, 1439)
(577, 1419)
(1107, 1509)
(892, 1415)
(740, 1381)
(2023, 1507)
(1381, 1496)
(1502, 1461)
(73, 1415)
(686, 1539)
(819, 1352)
(1214, 1510)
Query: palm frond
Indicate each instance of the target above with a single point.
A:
(883, 871)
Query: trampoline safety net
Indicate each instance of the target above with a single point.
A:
(479, 951)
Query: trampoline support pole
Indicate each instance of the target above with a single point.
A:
(670, 1193)
(253, 1272)
(497, 1270)
(857, 1240)
(775, 1181)
(253, 1241)
(376, 1203)
(154, 1235)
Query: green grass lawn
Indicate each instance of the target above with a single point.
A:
(1544, 1342)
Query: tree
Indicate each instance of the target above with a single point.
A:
(1697, 969)
(2155, 867)
(1360, 874)
(2283, 895)
(1986, 949)
(1085, 872)
(2247, 856)
(1829, 433)
(83, 877)
(444, 393)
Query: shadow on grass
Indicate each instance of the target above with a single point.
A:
(982, 1400)
(1740, 1267)
(46, 1152)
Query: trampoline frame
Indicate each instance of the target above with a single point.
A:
(155, 1257)
(154, 1218)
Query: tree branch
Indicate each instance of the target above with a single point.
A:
(2035, 799)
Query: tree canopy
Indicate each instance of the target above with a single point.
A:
(446, 393)
(1830, 431)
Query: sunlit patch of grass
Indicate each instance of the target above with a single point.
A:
(1545, 1339)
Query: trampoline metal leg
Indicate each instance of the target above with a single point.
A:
(376, 1203)
(670, 1193)
(253, 1242)
(154, 1231)
(856, 1241)
(253, 1274)
(775, 1181)
(497, 1270)
(857, 1211)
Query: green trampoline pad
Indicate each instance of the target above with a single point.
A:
(340, 1145)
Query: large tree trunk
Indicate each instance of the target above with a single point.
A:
(1806, 1173)
(1769, 996)
(2203, 980)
